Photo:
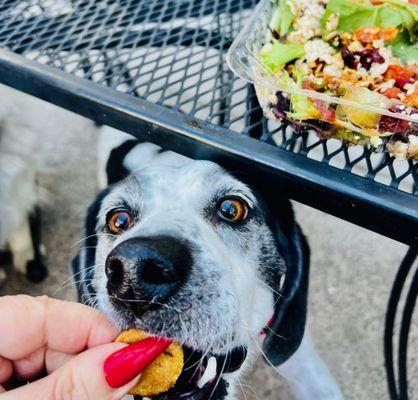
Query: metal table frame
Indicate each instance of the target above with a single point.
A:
(361, 200)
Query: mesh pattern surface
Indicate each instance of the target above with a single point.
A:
(172, 52)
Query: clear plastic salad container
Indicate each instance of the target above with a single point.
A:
(357, 115)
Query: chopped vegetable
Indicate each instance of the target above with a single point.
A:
(400, 74)
(367, 34)
(403, 48)
(285, 18)
(355, 15)
(392, 124)
(358, 115)
(392, 93)
(280, 54)
(302, 106)
(351, 137)
(362, 53)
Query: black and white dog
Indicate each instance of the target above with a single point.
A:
(183, 249)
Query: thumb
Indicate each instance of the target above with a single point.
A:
(81, 378)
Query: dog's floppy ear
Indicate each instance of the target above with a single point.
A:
(286, 329)
(83, 263)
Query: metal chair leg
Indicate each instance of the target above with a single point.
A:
(399, 392)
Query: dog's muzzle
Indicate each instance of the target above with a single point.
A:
(144, 272)
(202, 375)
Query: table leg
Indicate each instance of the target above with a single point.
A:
(400, 391)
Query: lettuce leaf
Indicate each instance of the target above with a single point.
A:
(351, 137)
(403, 48)
(355, 15)
(285, 18)
(280, 54)
(411, 8)
(302, 106)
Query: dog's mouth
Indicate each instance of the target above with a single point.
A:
(202, 375)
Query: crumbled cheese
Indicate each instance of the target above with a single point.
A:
(302, 67)
(332, 22)
(307, 23)
(398, 149)
(362, 72)
(267, 94)
(386, 85)
(410, 88)
(378, 44)
(378, 69)
(355, 45)
(317, 49)
(376, 141)
(413, 146)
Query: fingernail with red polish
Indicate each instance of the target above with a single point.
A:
(125, 364)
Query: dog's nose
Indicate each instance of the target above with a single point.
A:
(147, 271)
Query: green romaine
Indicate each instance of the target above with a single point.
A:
(285, 18)
(403, 48)
(302, 106)
(353, 16)
(280, 54)
(411, 8)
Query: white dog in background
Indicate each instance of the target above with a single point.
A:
(20, 130)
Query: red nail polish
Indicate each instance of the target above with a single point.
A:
(127, 363)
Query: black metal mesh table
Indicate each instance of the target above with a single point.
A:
(156, 69)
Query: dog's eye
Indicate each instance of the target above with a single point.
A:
(119, 221)
(232, 209)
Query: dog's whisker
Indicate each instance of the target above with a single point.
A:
(91, 300)
(242, 389)
(78, 273)
(145, 301)
(70, 284)
(89, 237)
(220, 375)
(288, 378)
(250, 389)
(274, 333)
(279, 295)
(60, 286)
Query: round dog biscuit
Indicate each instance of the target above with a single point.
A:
(162, 374)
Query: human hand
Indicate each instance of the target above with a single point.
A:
(60, 347)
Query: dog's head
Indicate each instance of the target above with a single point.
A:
(183, 249)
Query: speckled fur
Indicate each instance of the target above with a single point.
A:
(229, 294)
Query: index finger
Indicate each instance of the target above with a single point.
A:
(29, 323)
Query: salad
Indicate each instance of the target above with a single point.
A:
(348, 69)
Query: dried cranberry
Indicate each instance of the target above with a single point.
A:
(349, 58)
(369, 56)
